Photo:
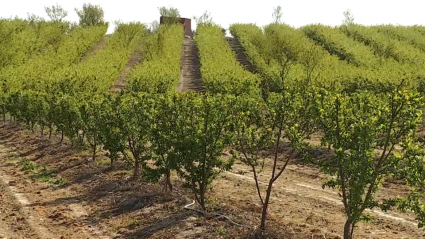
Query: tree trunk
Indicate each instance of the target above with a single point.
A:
(136, 167)
(112, 163)
(168, 184)
(94, 151)
(50, 132)
(62, 136)
(265, 207)
(42, 131)
(202, 198)
(348, 229)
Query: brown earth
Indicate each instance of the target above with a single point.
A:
(96, 47)
(86, 199)
(134, 60)
(190, 78)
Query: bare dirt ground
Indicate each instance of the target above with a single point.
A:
(96, 47)
(13, 223)
(134, 59)
(190, 78)
(82, 198)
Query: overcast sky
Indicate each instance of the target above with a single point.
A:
(224, 12)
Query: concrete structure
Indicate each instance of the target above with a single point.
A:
(185, 21)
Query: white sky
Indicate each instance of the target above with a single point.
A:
(224, 12)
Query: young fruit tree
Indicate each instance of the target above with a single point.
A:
(203, 133)
(56, 13)
(164, 136)
(282, 114)
(111, 127)
(365, 131)
(136, 110)
(90, 15)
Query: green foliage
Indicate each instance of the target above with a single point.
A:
(160, 72)
(27, 165)
(277, 14)
(355, 126)
(136, 129)
(348, 17)
(164, 135)
(56, 13)
(204, 19)
(336, 43)
(220, 71)
(170, 14)
(90, 15)
(111, 127)
(203, 133)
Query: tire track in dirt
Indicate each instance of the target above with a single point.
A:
(23, 202)
(77, 211)
(304, 190)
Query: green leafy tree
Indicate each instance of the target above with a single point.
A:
(164, 137)
(91, 111)
(90, 15)
(356, 126)
(170, 14)
(111, 127)
(56, 13)
(154, 26)
(203, 134)
(348, 17)
(283, 113)
(204, 19)
(136, 111)
(277, 14)
(129, 32)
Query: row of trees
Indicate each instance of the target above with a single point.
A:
(369, 129)
(188, 133)
(370, 133)
(89, 15)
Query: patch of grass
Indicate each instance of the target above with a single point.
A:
(27, 165)
(241, 172)
(133, 223)
(103, 162)
(43, 175)
(59, 182)
(46, 175)
(12, 154)
(13, 160)
(83, 153)
(221, 230)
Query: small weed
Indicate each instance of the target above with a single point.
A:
(133, 223)
(47, 176)
(221, 230)
(103, 162)
(241, 172)
(27, 165)
(12, 154)
(43, 175)
(214, 203)
(59, 182)
(83, 153)
(13, 160)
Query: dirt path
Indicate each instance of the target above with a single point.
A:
(298, 199)
(95, 202)
(134, 59)
(190, 79)
(96, 47)
(13, 221)
(24, 213)
(240, 55)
